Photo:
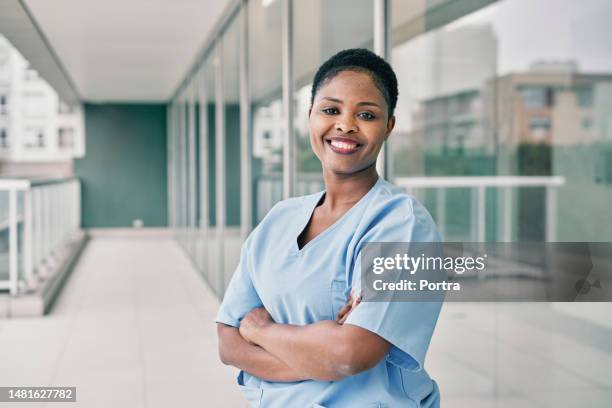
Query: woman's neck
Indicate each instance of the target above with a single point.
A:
(343, 191)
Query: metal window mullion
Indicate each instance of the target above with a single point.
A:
(289, 162)
(183, 163)
(382, 41)
(175, 201)
(169, 164)
(204, 171)
(176, 169)
(177, 144)
(220, 167)
(192, 170)
(179, 168)
(179, 174)
(171, 171)
(78, 214)
(245, 145)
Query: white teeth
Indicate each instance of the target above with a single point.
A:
(343, 145)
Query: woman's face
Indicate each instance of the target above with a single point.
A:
(348, 123)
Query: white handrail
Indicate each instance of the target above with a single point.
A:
(39, 215)
(480, 181)
(479, 184)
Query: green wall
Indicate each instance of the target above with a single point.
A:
(123, 173)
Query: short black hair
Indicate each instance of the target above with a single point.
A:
(360, 60)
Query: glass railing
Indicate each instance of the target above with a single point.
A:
(38, 219)
(465, 208)
(491, 211)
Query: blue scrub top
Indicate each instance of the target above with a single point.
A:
(303, 286)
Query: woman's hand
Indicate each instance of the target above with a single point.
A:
(351, 304)
(253, 322)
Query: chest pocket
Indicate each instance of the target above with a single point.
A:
(338, 296)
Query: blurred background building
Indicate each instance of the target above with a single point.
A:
(129, 128)
(35, 125)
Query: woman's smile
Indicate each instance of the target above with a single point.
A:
(343, 145)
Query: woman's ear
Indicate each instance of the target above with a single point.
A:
(390, 126)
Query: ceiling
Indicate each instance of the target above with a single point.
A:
(126, 51)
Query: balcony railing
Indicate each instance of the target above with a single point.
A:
(478, 186)
(269, 191)
(38, 218)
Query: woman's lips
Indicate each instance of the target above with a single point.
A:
(343, 146)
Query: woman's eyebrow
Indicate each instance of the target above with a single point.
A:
(365, 103)
(328, 98)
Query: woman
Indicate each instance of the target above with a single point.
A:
(283, 320)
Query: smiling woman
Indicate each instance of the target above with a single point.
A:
(357, 124)
(291, 318)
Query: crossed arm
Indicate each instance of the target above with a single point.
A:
(327, 350)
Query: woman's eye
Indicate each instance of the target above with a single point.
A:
(367, 116)
(330, 111)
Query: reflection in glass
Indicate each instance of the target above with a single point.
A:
(231, 109)
(475, 101)
(267, 118)
(321, 29)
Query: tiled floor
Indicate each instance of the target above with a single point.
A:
(134, 328)
(520, 354)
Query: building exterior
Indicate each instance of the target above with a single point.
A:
(35, 125)
(551, 106)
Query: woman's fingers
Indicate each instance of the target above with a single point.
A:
(343, 319)
(345, 309)
(351, 303)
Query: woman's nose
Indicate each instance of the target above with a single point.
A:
(346, 124)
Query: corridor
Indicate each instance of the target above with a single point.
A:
(131, 328)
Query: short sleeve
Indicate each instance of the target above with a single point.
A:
(408, 326)
(240, 296)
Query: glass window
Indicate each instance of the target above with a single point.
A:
(191, 167)
(267, 117)
(534, 97)
(584, 96)
(321, 29)
(231, 109)
(474, 100)
(498, 89)
(194, 91)
(211, 119)
(65, 138)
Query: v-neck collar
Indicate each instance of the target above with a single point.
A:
(310, 209)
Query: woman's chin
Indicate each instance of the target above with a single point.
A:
(343, 169)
